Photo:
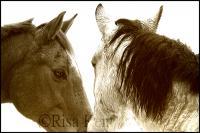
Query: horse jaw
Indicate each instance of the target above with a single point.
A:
(54, 121)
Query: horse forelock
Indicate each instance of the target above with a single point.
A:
(149, 65)
(64, 42)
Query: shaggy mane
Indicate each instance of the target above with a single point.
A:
(153, 63)
(18, 28)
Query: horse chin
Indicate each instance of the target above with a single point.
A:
(59, 120)
(56, 121)
(60, 129)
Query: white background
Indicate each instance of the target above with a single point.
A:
(180, 20)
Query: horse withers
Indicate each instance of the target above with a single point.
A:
(40, 77)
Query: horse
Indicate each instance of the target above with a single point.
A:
(39, 75)
(152, 76)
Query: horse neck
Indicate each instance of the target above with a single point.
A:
(13, 50)
(182, 113)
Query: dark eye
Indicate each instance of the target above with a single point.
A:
(93, 62)
(60, 74)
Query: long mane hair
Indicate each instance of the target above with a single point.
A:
(149, 65)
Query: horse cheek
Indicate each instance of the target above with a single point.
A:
(29, 92)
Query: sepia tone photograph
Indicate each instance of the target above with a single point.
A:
(91, 66)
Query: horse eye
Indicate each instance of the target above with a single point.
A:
(60, 74)
(93, 62)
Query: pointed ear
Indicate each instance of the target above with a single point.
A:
(101, 18)
(52, 27)
(158, 16)
(67, 24)
(29, 21)
(153, 23)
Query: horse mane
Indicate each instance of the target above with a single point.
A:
(27, 27)
(149, 65)
(18, 28)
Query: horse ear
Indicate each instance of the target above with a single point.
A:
(101, 18)
(153, 23)
(52, 27)
(158, 16)
(67, 24)
(29, 21)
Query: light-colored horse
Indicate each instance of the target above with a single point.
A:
(153, 76)
(40, 77)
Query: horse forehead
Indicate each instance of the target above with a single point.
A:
(111, 27)
(73, 63)
(109, 33)
(107, 49)
(64, 42)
